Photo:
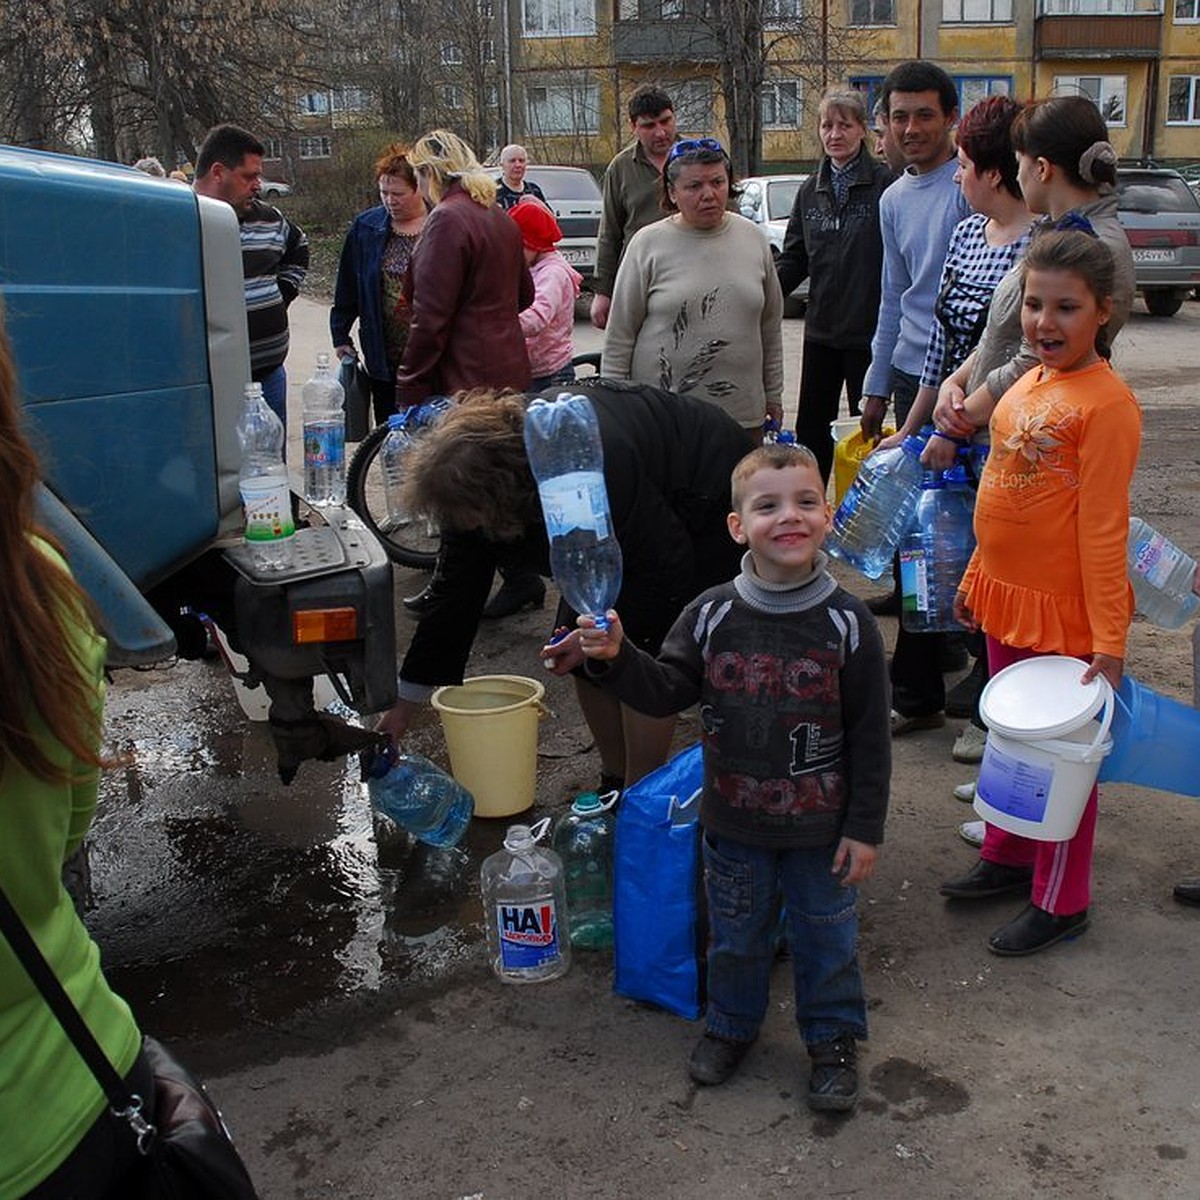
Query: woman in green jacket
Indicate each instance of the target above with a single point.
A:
(58, 1138)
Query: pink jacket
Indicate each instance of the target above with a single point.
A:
(549, 321)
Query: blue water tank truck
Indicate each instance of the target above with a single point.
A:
(124, 305)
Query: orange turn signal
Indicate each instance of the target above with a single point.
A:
(324, 625)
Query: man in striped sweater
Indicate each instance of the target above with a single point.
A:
(274, 251)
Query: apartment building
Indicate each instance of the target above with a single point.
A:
(564, 69)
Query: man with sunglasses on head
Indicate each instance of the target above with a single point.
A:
(631, 196)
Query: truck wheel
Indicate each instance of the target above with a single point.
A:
(409, 541)
(1163, 302)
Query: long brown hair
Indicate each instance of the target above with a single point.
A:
(42, 681)
(471, 471)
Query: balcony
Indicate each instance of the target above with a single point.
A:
(681, 40)
(1098, 29)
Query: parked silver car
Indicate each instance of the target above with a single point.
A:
(767, 201)
(1161, 217)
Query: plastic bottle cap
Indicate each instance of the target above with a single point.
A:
(396, 421)
(586, 804)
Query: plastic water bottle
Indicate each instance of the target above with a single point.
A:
(584, 838)
(418, 795)
(562, 441)
(395, 446)
(324, 437)
(263, 482)
(1161, 575)
(525, 908)
(877, 509)
(935, 551)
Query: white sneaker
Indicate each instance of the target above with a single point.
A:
(972, 832)
(968, 746)
(965, 792)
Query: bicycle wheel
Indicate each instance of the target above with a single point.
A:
(408, 540)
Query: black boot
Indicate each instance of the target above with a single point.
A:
(422, 603)
(520, 589)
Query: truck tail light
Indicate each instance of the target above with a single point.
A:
(324, 625)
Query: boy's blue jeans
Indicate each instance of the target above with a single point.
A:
(744, 885)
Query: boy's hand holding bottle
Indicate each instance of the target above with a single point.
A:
(602, 644)
(854, 861)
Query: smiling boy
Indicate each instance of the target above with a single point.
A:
(788, 669)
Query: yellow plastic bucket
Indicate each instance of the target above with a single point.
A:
(491, 727)
(848, 454)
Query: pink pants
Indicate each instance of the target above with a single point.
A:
(1062, 871)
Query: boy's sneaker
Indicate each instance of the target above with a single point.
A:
(714, 1060)
(833, 1084)
(969, 745)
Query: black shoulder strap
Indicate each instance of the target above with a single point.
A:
(31, 958)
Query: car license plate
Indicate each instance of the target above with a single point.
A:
(1153, 256)
(577, 256)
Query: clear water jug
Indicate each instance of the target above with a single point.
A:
(525, 908)
(584, 839)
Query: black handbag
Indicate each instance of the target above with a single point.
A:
(186, 1151)
(357, 386)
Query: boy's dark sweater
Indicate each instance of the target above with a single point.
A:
(794, 707)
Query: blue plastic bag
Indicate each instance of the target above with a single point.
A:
(656, 874)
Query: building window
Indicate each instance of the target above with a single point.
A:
(782, 12)
(487, 51)
(349, 99)
(782, 103)
(1183, 100)
(564, 108)
(693, 105)
(491, 96)
(1187, 11)
(314, 104)
(1107, 92)
(558, 18)
(870, 86)
(973, 88)
(486, 9)
(273, 147)
(976, 12)
(452, 96)
(872, 12)
(451, 55)
(670, 10)
(315, 147)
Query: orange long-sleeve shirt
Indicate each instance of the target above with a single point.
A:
(1052, 514)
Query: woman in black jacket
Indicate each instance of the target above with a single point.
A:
(833, 239)
(667, 463)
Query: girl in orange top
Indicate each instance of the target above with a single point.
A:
(1048, 574)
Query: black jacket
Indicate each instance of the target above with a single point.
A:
(667, 463)
(841, 253)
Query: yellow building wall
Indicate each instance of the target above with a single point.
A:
(1129, 139)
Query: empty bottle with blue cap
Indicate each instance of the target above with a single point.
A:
(878, 507)
(562, 442)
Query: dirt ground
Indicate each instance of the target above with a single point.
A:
(1069, 1074)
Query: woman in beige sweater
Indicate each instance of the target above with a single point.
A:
(697, 307)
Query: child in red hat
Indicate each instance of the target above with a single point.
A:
(550, 320)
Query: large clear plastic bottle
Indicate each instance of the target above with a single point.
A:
(395, 446)
(324, 437)
(583, 839)
(263, 482)
(877, 509)
(419, 796)
(1161, 575)
(562, 441)
(525, 908)
(935, 551)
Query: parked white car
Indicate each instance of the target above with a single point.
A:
(767, 201)
(272, 189)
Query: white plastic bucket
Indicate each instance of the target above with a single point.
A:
(491, 728)
(1044, 746)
